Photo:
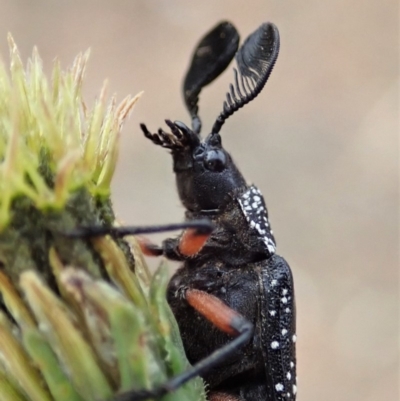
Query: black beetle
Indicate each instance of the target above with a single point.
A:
(233, 297)
(237, 264)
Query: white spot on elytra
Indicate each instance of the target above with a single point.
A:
(292, 364)
(274, 345)
(294, 389)
(272, 312)
(279, 387)
(284, 291)
(274, 282)
(288, 375)
(284, 300)
(287, 310)
(284, 332)
(294, 338)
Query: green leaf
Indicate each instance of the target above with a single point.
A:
(170, 340)
(58, 382)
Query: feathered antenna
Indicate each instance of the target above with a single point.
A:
(211, 57)
(255, 61)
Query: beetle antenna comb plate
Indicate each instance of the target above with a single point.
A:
(255, 61)
(211, 57)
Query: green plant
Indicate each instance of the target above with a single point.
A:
(79, 320)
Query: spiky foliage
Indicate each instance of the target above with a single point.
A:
(79, 320)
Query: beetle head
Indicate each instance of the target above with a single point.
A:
(205, 171)
(205, 174)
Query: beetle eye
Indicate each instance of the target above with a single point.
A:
(215, 160)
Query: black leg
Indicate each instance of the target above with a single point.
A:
(201, 227)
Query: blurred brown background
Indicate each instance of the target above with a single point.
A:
(321, 142)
